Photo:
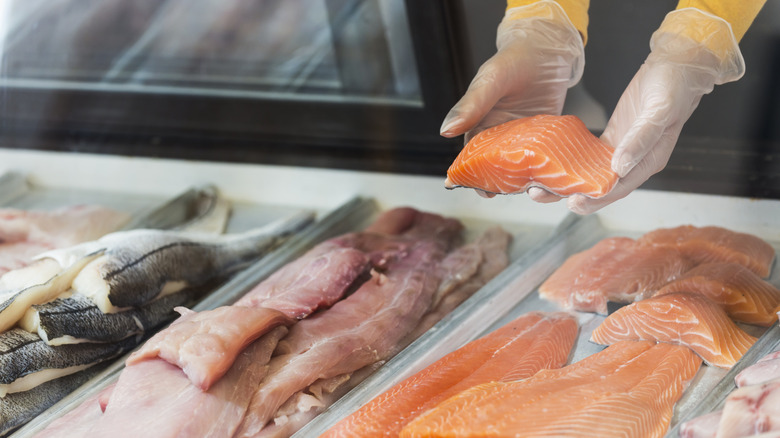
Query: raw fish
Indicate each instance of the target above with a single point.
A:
(767, 368)
(705, 426)
(556, 153)
(681, 318)
(615, 269)
(739, 291)
(627, 390)
(77, 319)
(364, 328)
(715, 244)
(515, 351)
(751, 410)
(171, 406)
(26, 233)
(18, 408)
(78, 422)
(197, 342)
(26, 360)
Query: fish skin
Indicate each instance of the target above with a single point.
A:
(516, 351)
(18, 408)
(138, 264)
(207, 343)
(14, 303)
(357, 331)
(556, 153)
(739, 291)
(626, 390)
(615, 269)
(715, 244)
(23, 353)
(680, 318)
(77, 319)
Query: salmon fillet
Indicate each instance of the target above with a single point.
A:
(515, 351)
(615, 269)
(715, 244)
(556, 153)
(739, 291)
(627, 390)
(680, 318)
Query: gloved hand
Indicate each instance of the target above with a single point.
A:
(540, 54)
(691, 52)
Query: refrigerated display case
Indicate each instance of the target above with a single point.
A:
(335, 106)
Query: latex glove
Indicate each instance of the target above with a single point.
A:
(540, 55)
(691, 52)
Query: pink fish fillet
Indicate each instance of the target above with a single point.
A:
(615, 269)
(78, 422)
(27, 233)
(767, 368)
(204, 345)
(361, 329)
(154, 399)
(751, 410)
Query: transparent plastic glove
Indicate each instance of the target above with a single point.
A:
(540, 55)
(690, 53)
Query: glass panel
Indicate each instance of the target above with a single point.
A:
(340, 50)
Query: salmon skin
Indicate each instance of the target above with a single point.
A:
(556, 153)
(515, 351)
(680, 318)
(739, 291)
(626, 390)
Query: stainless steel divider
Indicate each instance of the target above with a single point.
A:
(12, 185)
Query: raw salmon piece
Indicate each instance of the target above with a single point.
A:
(739, 291)
(716, 244)
(557, 153)
(515, 351)
(627, 390)
(679, 318)
(615, 269)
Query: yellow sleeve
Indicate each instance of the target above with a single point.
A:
(577, 11)
(739, 13)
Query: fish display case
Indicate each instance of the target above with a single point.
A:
(334, 107)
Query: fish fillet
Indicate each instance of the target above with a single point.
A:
(767, 368)
(202, 340)
(681, 318)
(513, 352)
(357, 331)
(615, 269)
(627, 390)
(715, 244)
(26, 233)
(751, 410)
(743, 295)
(556, 153)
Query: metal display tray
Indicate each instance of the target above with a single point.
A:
(352, 216)
(515, 292)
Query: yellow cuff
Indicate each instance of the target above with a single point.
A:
(739, 13)
(576, 10)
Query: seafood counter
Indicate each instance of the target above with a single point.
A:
(400, 311)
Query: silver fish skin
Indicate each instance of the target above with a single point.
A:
(19, 408)
(23, 354)
(139, 265)
(77, 319)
